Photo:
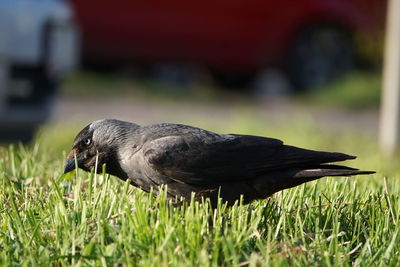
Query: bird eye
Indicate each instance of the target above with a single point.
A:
(87, 141)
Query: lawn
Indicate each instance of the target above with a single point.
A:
(83, 219)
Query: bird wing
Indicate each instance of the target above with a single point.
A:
(192, 160)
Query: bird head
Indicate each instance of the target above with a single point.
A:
(98, 144)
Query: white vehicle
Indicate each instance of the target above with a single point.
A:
(38, 48)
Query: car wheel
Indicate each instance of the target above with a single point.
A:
(34, 91)
(319, 54)
(39, 87)
(23, 134)
(231, 80)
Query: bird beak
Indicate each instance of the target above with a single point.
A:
(70, 164)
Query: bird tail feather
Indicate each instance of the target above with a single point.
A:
(328, 170)
(275, 182)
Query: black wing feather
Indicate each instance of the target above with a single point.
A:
(191, 160)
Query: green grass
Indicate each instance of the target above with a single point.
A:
(354, 90)
(82, 219)
(100, 84)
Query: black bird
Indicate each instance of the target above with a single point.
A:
(189, 159)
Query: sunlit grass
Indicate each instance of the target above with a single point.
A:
(83, 219)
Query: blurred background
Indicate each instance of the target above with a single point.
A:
(223, 65)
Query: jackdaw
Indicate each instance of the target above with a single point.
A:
(189, 159)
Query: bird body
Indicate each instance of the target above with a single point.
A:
(189, 159)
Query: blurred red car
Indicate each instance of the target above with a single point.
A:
(312, 40)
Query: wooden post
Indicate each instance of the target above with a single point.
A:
(390, 106)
